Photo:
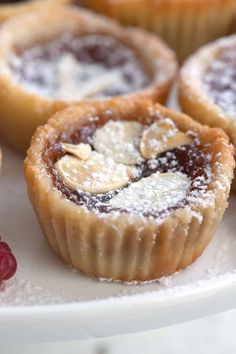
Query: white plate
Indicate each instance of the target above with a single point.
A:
(48, 301)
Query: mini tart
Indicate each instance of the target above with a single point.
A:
(9, 8)
(207, 86)
(90, 58)
(111, 212)
(183, 24)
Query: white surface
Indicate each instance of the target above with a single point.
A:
(75, 306)
(212, 335)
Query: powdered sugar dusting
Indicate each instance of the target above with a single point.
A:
(220, 80)
(118, 179)
(20, 292)
(158, 191)
(73, 68)
(119, 140)
(49, 277)
(98, 174)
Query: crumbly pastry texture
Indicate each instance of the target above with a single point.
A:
(207, 86)
(25, 109)
(128, 243)
(184, 24)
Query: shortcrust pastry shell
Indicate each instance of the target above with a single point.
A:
(24, 111)
(9, 10)
(121, 246)
(184, 24)
(193, 97)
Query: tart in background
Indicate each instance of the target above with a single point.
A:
(207, 86)
(9, 9)
(52, 59)
(184, 24)
(126, 189)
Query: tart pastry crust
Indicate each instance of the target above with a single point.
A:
(184, 24)
(23, 110)
(123, 245)
(9, 10)
(195, 99)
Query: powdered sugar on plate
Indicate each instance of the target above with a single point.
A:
(20, 292)
(43, 279)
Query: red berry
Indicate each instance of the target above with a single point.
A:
(8, 263)
(4, 247)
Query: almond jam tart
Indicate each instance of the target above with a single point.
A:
(51, 59)
(10, 8)
(210, 95)
(126, 189)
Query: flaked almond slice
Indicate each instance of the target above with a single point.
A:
(158, 191)
(98, 174)
(68, 68)
(98, 85)
(119, 140)
(82, 151)
(160, 137)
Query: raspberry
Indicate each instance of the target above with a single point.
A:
(8, 263)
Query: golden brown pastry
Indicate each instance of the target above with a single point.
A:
(51, 59)
(126, 189)
(207, 87)
(9, 8)
(184, 24)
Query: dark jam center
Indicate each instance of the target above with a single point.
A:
(187, 159)
(95, 60)
(220, 80)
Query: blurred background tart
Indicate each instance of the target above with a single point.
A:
(52, 59)
(183, 24)
(207, 86)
